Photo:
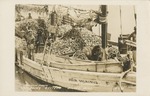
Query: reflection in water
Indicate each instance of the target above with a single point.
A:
(25, 82)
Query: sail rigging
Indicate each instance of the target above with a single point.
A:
(120, 21)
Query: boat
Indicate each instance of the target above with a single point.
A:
(82, 75)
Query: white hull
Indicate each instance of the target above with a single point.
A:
(78, 80)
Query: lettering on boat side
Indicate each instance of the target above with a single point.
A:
(72, 79)
(83, 81)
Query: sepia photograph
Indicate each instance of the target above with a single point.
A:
(75, 48)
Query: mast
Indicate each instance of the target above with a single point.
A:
(104, 30)
(104, 27)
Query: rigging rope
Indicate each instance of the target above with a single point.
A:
(120, 21)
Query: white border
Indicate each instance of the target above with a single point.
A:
(7, 83)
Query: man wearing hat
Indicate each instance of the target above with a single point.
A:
(30, 43)
(29, 16)
(40, 38)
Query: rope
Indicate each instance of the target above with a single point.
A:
(121, 78)
(81, 10)
(120, 21)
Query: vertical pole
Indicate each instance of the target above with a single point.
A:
(104, 31)
(104, 35)
(135, 16)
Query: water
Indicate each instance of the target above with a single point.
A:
(26, 83)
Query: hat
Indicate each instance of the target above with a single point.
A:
(22, 31)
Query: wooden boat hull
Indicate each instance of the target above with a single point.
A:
(110, 66)
(78, 80)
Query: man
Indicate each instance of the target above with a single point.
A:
(46, 9)
(132, 36)
(29, 16)
(41, 23)
(30, 44)
(127, 63)
(40, 39)
(29, 26)
(97, 53)
(31, 50)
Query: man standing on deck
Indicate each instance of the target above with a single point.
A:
(40, 39)
(29, 16)
(30, 44)
(41, 23)
(132, 36)
(127, 63)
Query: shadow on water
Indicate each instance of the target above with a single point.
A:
(26, 82)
